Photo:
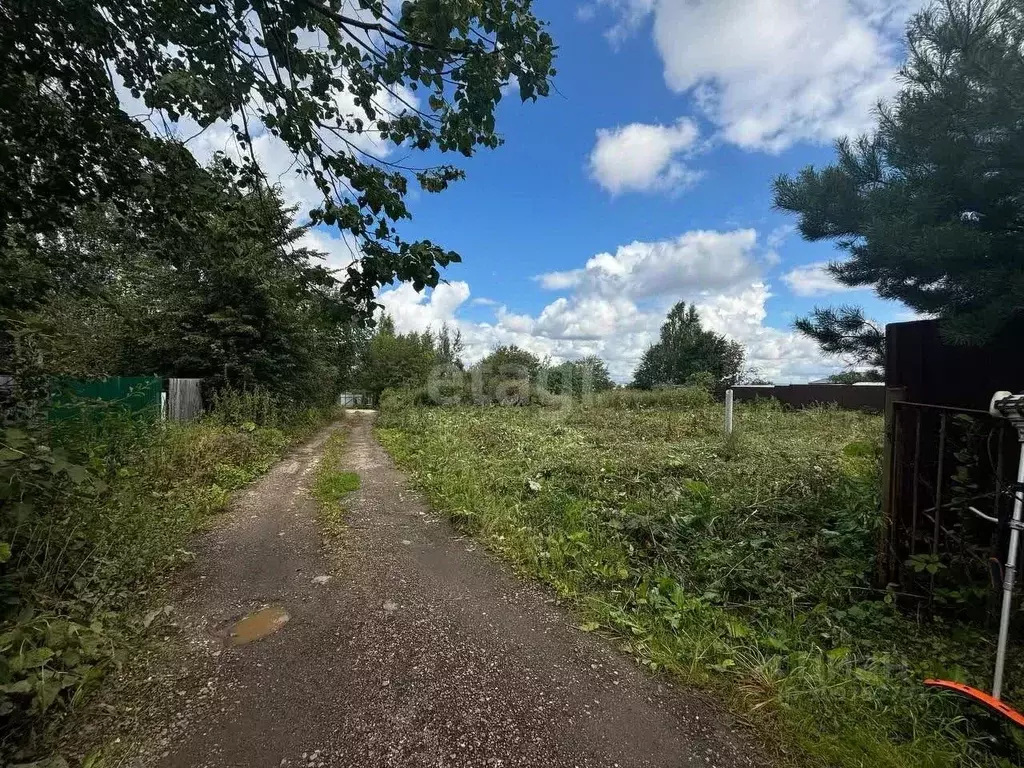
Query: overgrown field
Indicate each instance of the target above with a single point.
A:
(96, 511)
(741, 564)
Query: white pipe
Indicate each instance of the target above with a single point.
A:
(1009, 577)
(983, 516)
(728, 412)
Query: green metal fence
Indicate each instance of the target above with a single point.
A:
(136, 394)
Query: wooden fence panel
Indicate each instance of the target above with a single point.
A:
(184, 399)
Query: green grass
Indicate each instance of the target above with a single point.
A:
(741, 565)
(107, 507)
(331, 485)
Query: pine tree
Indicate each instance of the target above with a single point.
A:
(930, 208)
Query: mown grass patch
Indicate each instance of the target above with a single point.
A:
(741, 564)
(332, 484)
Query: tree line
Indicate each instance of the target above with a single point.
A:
(430, 364)
(121, 253)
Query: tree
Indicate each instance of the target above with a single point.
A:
(855, 377)
(579, 377)
(685, 349)
(245, 306)
(929, 208)
(845, 331)
(508, 375)
(449, 347)
(223, 295)
(396, 361)
(318, 75)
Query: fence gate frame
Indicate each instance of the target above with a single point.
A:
(921, 513)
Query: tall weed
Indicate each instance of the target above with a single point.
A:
(645, 399)
(92, 512)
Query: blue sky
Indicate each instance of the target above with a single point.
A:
(645, 179)
(649, 142)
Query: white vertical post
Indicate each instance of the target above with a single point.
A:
(728, 412)
(1009, 577)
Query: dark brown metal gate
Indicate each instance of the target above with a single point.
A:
(942, 462)
(944, 454)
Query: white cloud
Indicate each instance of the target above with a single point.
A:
(339, 251)
(616, 303)
(631, 13)
(782, 356)
(700, 260)
(773, 72)
(427, 310)
(814, 280)
(640, 157)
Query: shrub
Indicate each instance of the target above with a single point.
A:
(665, 398)
(399, 399)
(261, 408)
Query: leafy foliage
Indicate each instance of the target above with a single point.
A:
(231, 300)
(684, 349)
(928, 207)
(312, 73)
(396, 360)
(225, 294)
(743, 564)
(508, 375)
(92, 511)
(579, 378)
(449, 347)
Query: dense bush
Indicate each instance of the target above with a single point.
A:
(92, 511)
(264, 409)
(643, 399)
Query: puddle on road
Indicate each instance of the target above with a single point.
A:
(258, 625)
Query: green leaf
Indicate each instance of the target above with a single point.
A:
(46, 693)
(21, 686)
(76, 473)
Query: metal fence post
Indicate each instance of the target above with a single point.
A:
(884, 570)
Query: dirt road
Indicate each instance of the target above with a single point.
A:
(418, 650)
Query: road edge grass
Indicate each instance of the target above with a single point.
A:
(332, 484)
(143, 637)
